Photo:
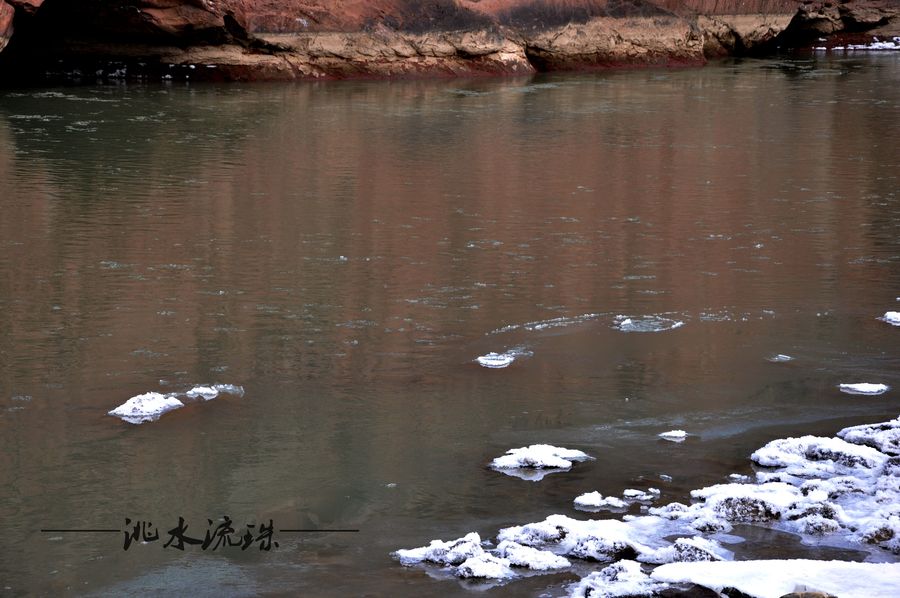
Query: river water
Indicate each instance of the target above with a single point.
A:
(345, 251)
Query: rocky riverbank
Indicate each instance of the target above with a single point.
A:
(311, 39)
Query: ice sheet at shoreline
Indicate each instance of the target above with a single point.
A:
(775, 578)
(148, 407)
(835, 491)
(534, 462)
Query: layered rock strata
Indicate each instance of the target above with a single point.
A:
(296, 39)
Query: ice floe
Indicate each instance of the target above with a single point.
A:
(645, 323)
(453, 552)
(148, 407)
(892, 317)
(502, 360)
(522, 462)
(674, 435)
(775, 578)
(780, 358)
(864, 388)
(649, 495)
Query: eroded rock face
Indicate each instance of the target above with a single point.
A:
(289, 39)
(6, 23)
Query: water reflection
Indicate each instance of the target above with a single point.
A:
(345, 251)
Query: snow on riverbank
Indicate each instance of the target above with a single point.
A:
(830, 491)
(150, 406)
(775, 578)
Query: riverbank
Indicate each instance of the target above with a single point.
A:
(306, 39)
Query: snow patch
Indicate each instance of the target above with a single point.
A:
(624, 578)
(775, 578)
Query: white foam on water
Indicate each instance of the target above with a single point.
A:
(775, 578)
(674, 435)
(147, 407)
(651, 323)
(864, 388)
(539, 325)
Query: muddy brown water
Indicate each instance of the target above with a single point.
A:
(344, 251)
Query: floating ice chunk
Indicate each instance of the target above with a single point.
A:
(595, 500)
(204, 392)
(539, 456)
(485, 566)
(525, 556)
(495, 360)
(884, 437)
(645, 324)
(816, 455)
(231, 389)
(892, 317)
(864, 388)
(454, 552)
(640, 495)
(780, 358)
(147, 407)
(624, 578)
(774, 578)
(674, 435)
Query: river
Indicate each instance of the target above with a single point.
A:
(344, 251)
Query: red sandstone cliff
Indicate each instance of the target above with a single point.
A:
(339, 38)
